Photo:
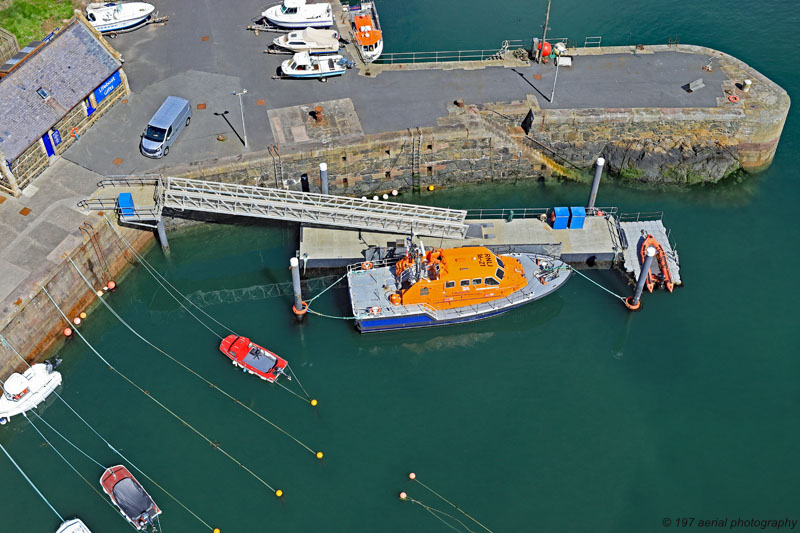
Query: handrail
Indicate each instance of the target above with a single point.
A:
(127, 181)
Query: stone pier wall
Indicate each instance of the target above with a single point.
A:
(35, 328)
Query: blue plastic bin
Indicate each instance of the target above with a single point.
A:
(560, 217)
(577, 218)
(125, 204)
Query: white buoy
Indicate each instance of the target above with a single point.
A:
(375, 198)
(385, 196)
(394, 192)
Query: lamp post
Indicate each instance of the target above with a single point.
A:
(241, 107)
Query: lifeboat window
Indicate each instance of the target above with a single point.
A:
(492, 281)
(449, 284)
(92, 17)
(500, 273)
(500, 263)
(477, 281)
(424, 291)
(295, 42)
(465, 283)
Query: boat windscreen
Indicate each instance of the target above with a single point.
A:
(260, 360)
(499, 261)
(131, 498)
(499, 273)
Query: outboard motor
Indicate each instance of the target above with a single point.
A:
(51, 365)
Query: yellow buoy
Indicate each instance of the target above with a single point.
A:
(431, 187)
(314, 403)
(319, 455)
(216, 530)
(82, 315)
(279, 493)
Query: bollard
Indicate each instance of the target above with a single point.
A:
(746, 85)
(162, 235)
(634, 304)
(323, 176)
(318, 115)
(299, 307)
(534, 47)
(598, 171)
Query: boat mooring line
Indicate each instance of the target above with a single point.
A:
(326, 289)
(31, 482)
(7, 344)
(65, 439)
(213, 444)
(593, 281)
(189, 369)
(413, 477)
(156, 275)
(433, 511)
(289, 368)
(74, 469)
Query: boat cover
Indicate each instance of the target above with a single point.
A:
(260, 360)
(322, 37)
(131, 498)
(15, 384)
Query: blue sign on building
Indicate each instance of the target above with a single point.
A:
(56, 137)
(106, 87)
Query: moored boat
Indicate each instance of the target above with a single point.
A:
(311, 40)
(367, 32)
(448, 286)
(299, 14)
(664, 277)
(253, 358)
(304, 65)
(129, 497)
(23, 392)
(115, 16)
(73, 526)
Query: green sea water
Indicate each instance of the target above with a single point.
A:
(570, 414)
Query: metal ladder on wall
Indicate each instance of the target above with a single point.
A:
(277, 164)
(416, 159)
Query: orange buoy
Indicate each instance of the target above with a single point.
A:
(546, 48)
(67, 332)
(112, 285)
(733, 98)
(403, 495)
(412, 475)
(599, 213)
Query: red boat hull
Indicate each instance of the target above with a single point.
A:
(114, 475)
(240, 350)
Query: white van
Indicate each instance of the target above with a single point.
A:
(165, 126)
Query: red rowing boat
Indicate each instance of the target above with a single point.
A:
(129, 496)
(253, 358)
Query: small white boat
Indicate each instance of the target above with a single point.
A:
(115, 16)
(304, 65)
(309, 40)
(23, 392)
(367, 32)
(298, 14)
(73, 526)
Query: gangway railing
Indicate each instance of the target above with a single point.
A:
(312, 208)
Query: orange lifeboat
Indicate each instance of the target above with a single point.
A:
(665, 276)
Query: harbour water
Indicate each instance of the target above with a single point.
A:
(570, 414)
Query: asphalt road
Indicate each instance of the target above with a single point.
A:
(204, 53)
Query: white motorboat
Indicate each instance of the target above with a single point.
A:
(298, 14)
(115, 16)
(304, 65)
(73, 526)
(23, 392)
(367, 32)
(311, 40)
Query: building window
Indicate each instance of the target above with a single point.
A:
(43, 93)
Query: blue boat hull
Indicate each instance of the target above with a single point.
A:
(371, 325)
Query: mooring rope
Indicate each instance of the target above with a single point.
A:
(50, 444)
(433, 511)
(326, 289)
(289, 368)
(13, 462)
(213, 444)
(156, 275)
(65, 439)
(191, 370)
(7, 344)
(593, 281)
(413, 477)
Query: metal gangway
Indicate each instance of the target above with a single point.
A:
(181, 194)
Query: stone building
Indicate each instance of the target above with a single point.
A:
(51, 97)
(8, 45)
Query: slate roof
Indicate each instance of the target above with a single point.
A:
(70, 67)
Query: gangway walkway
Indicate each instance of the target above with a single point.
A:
(183, 194)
